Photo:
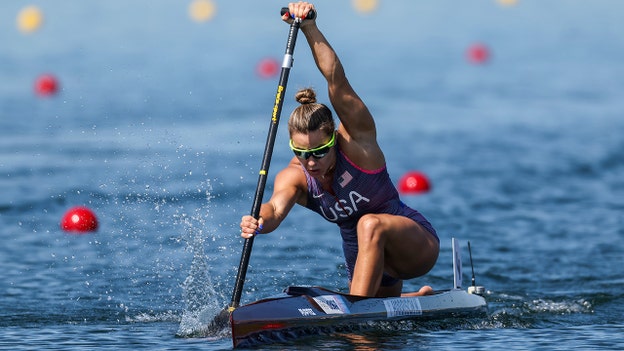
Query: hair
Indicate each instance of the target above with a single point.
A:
(310, 115)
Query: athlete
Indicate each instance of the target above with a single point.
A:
(341, 174)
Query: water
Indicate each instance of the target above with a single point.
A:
(161, 123)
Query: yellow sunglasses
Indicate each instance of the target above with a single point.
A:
(318, 152)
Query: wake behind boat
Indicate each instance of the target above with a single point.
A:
(301, 311)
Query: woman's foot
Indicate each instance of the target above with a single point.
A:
(425, 290)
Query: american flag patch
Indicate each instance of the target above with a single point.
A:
(344, 179)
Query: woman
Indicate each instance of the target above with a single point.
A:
(341, 174)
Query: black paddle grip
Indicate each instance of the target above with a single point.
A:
(311, 14)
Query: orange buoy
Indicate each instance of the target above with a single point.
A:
(365, 6)
(46, 85)
(508, 2)
(29, 19)
(202, 10)
(414, 183)
(80, 220)
(478, 53)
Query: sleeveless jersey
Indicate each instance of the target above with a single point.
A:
(357, 192)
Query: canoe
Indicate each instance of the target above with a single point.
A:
(310, 310)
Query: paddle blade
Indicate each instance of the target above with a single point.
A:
(205, 326)
(220, 323)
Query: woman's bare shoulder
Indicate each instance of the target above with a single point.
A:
(291, 175)
(365, 153)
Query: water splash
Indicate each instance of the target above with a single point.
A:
(203, 300)
(559, 307)
(514, 311)
(144, 317)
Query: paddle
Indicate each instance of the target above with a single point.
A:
(266, 161)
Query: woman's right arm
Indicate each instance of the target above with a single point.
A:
(287, 191)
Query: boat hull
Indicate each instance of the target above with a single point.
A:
(313, 310)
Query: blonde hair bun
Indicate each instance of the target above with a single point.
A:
(306, 96)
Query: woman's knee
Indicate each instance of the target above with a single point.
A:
(369, 228)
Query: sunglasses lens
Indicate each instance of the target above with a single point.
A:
(320, 153)
(306, 155)
(317, 153)
(302, 154)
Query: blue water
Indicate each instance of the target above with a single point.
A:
(159, 128)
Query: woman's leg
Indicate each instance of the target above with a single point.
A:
(394, 244)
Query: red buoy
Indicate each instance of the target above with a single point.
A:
(46, 85)
(413, 183)
(268, 68)
(79, 219)
(478, 53)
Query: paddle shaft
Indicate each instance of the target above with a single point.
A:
(266, 159)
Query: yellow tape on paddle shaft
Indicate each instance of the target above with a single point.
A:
(278, 98)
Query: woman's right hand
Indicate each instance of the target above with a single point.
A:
(250, 226)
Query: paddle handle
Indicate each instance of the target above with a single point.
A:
(311, 14)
